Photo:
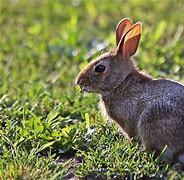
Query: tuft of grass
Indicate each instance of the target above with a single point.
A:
(22, 164)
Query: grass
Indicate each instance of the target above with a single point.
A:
(48, 130)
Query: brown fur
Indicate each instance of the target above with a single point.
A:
(152, 110)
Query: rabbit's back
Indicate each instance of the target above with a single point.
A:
(167, 88)
(163, 99)
(165, 93)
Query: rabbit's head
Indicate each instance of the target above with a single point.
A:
(107, 71)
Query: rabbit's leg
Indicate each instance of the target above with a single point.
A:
(155, 140)
(158, 130)
(180, 158)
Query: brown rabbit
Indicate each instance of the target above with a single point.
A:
(152, 110)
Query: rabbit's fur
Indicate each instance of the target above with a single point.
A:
(152, 110)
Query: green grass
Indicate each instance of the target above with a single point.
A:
(47, 129)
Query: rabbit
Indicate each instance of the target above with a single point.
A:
(152, 110)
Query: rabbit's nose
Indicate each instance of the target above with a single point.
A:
(79, 82)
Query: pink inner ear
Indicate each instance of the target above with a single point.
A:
(131, 45)
(122, 28)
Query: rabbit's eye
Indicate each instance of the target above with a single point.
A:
(100, 68)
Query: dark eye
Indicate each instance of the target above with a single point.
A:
(100, 68)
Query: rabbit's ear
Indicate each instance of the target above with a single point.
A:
(122, 28)
(130, 41)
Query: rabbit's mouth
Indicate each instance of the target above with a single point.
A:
(90, 89)
(86, 89)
